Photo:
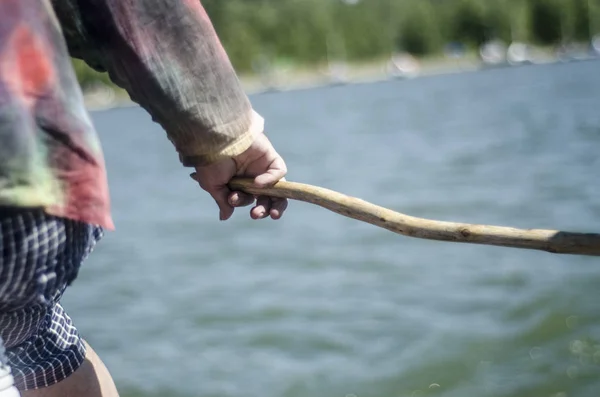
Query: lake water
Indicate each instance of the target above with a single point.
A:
(179, 304)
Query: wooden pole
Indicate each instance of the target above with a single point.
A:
(553, 241)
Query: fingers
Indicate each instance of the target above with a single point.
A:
(262, 208)
(221, 195)
(268, 206)
(265, 206)
(227, 201)
(275, 171)
(240, 199)
(278, 206)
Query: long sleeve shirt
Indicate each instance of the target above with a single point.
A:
(167, 56)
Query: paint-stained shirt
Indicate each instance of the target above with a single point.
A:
(167, 56)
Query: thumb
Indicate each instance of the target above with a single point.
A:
(277, 170)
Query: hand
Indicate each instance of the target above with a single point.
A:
(260, 161)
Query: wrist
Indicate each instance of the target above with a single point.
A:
(200, 156)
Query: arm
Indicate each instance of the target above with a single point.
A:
(167, 56)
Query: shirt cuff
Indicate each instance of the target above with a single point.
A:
(234, 148)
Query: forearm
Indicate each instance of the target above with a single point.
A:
(166, 54)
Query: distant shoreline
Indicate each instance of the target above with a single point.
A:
(293, 79)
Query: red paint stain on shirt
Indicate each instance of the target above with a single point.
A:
(27, 67)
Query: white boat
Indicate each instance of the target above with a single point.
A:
(403, 65)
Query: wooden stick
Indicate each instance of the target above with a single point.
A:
(545, 240)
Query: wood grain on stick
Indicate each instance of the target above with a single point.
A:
(545, 240)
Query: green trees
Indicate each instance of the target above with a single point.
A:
(298, 30)
(547, 21)
(419, 31)
(469, 23)
(310, 31)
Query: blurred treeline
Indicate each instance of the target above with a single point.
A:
(307, 32)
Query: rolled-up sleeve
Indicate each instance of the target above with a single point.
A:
(167, 56)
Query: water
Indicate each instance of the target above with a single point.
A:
(180, 304)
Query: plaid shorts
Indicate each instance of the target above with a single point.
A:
(40, 256)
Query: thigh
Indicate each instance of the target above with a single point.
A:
(92, 379)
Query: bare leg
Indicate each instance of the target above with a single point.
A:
(92, 379)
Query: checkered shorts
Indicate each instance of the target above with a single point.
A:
(40, 256)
